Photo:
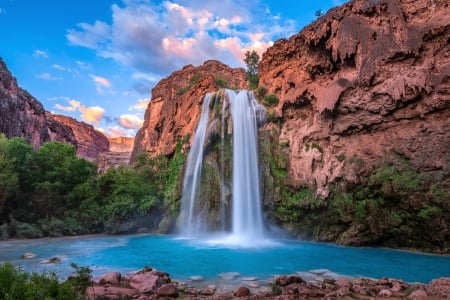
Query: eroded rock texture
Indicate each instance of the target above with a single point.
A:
(367, 80)
(91, 143)
(175, 106)
(21, 115)
(119, 154)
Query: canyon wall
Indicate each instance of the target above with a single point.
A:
(119, 153)
(174, 109)
(21, 115)
(366, 81)
(91, 143)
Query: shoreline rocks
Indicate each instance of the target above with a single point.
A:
(153, 284)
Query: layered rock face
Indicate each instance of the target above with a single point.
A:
(368, 80)
(21, 115)
(119, 154)
(91, 143)
(174, 109)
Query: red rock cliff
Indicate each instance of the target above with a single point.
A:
(21, 115)
(175, 106)
(368, 79)
(119, 154)
(90, 141)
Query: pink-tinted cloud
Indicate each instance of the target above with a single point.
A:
(159, 38)
(91, 114)
(130, 121)
(101, 81)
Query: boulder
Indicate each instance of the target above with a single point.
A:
(110, 278)
(242, 292)
(145, 282)
(167, 290)
(28, 255)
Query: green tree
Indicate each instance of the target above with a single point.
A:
(252, 60)
(56, 174)
(15, 157)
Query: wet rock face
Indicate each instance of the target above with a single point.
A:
(368, 79)
(91, 143)
(21, 115)
(175, 106)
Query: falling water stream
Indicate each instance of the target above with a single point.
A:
(246, 216)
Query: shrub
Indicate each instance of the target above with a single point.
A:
(271, 100)
(261, 92)
(253, 81)
(27, 231)
(4, 233)
(18, 284)
(222, 82)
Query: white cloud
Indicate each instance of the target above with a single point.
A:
(130, 121)
(83, 65)
(61, 68)
(40, 53)
(146, 77)
(74, 105)
(140, 105)
(158, 39)
(90, 36)
(47, 76)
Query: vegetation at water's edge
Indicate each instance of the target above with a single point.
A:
(18, 284)
(394, 205)
(51, 192)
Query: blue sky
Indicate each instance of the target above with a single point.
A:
(97, 61)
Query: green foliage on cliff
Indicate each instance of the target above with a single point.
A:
(394, 205)
(194, 79)
(271, 99)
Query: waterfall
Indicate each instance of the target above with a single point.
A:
(246, 203)
(191, 222)
(198, 211)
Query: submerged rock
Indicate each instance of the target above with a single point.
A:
(28, 255)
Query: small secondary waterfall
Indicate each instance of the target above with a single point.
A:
(193, 173)
(227, 134)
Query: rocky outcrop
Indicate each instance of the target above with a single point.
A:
(367, 80)
(91, 143)
(21, 115)
(153, 284)
(119, 154)
(174, 109)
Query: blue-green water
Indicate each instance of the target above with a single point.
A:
(183, 258)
